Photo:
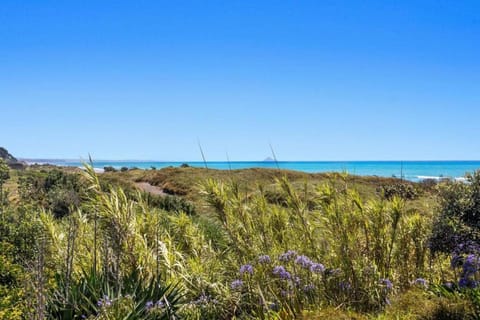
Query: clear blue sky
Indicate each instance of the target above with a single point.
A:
(320, 80)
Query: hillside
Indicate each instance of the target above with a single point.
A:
(10, 159)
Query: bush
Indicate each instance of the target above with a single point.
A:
(123, 169)
(401, 190)
(458, 222)
(53, 190)
(170, 203)
(184, 165)
(109, 169)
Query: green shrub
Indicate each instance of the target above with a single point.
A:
(401, 190)
(458, 221)
(53, 190)
(170, 203)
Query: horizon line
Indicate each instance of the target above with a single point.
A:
(232, 161)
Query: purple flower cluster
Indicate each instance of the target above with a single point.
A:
(387, 283)
(470, 266)
(304, 262)
(317, 268)
(246, 268)
(204, 299)
(282, 273)
(150, 305)
(236, 284)
(287, 256)
(104, 302)
(421, 282)
(264, 259)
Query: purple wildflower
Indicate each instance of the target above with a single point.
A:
(317, 268)
(304, 261)
(236, 284)
(273, 306)
(287, 256)
(160, 303)
(470, 265)
(202, 300)
(387, 283)
(265, 259)
(421, 282)
(282, 273)
(463, 283)
(149, 305)
(246, 268)
(104, 302)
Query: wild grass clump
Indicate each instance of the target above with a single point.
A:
(341, 250)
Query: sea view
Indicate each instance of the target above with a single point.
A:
(408, 170)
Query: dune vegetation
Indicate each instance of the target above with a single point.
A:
(247, 244)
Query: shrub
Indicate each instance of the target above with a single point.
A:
(184, 165)
(170, 203)
(458, 221)
(401, 190)
(123, 169)
(109, 169)
(53, 190)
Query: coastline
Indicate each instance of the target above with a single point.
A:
(414, 171)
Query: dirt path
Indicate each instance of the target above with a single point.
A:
(147, 187)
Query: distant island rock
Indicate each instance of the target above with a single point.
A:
(269, 159)
(11, 161)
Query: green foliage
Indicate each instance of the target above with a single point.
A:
(18, 230)
(360, 242)
(109, 169)
(123, 169)
(53, 190)
(4, 172)
(345, 253)
(458, 221)
(170, 203)
(97, 295)
(401, 190)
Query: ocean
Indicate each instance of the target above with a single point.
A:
(409, 170)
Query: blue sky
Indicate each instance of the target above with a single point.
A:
(319, 80)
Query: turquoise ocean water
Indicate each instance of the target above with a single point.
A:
(411, 170)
